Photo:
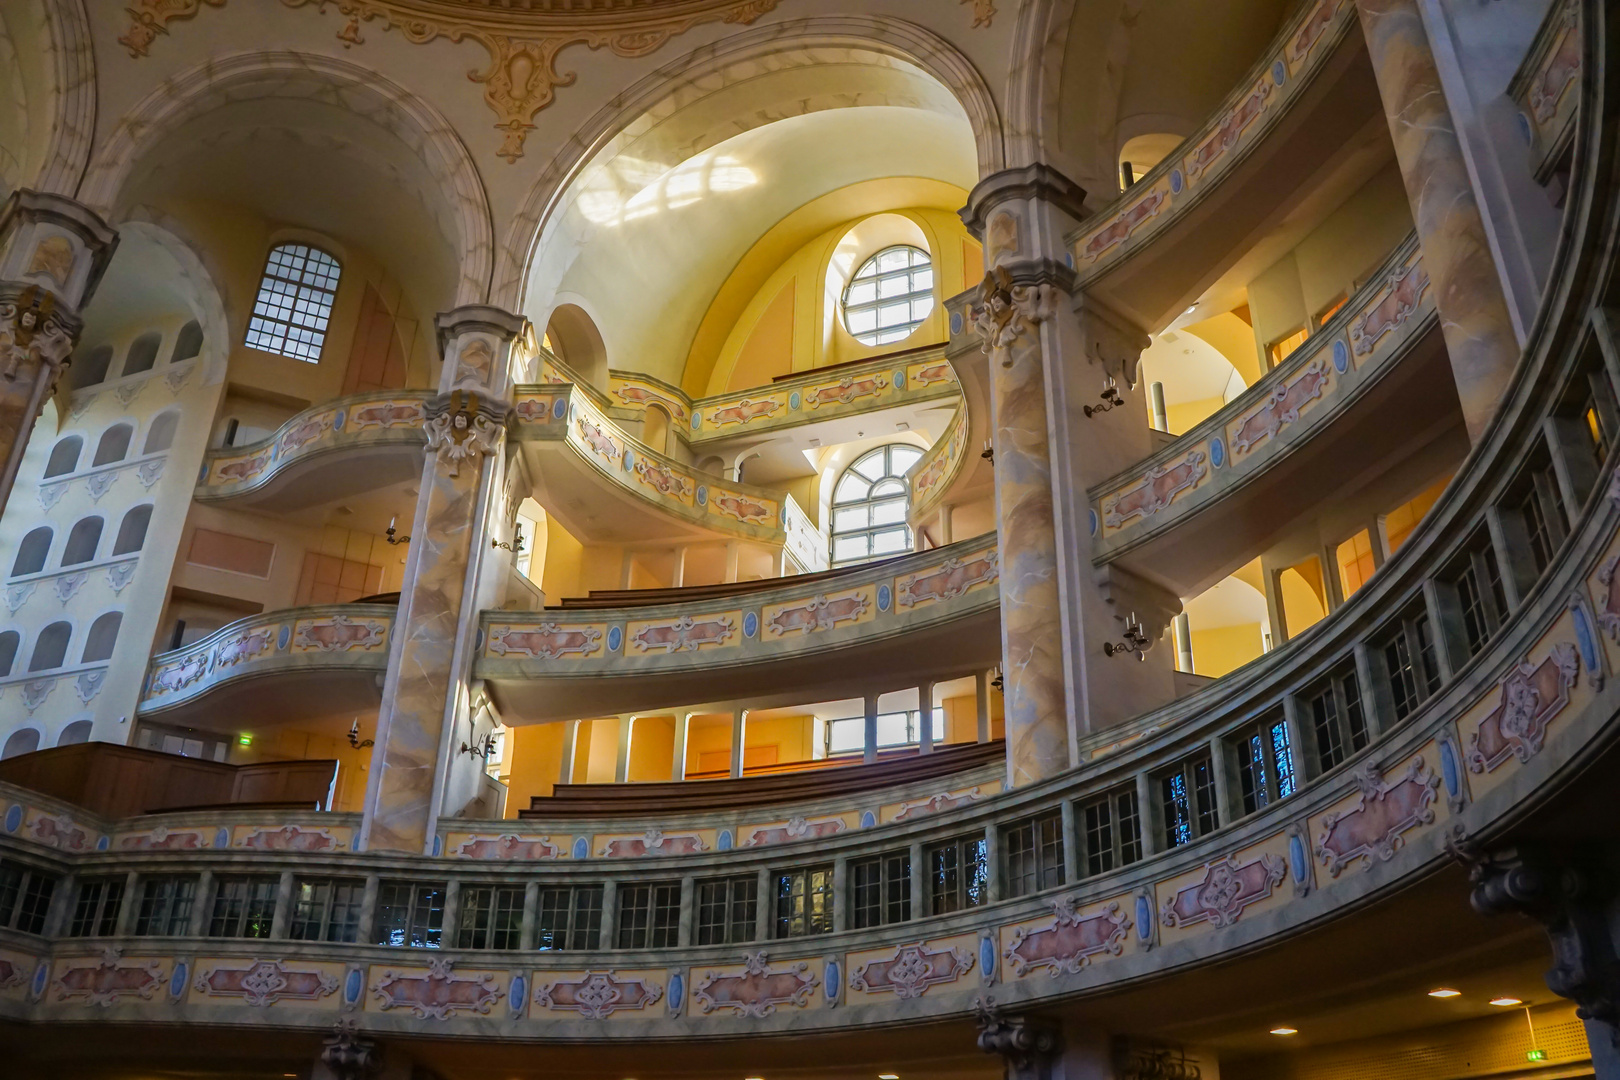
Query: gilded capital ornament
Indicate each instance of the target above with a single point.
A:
(33, 332)
(1006, 311)
(463, 426)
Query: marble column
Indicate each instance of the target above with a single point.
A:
(1474, 316)
(52, 255)
(1051, 350)
(417, 774)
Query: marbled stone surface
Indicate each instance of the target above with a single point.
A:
(1474, 315)
(1031, 630)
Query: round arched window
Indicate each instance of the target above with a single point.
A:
(869, 505)
(890, 295)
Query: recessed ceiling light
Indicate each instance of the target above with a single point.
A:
(1284, 1031)
(1445, 992)
(1506, 1001)
(1190, 310)
(888, 1076)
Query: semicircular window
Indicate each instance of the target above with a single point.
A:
(870, 505)
(890, 295)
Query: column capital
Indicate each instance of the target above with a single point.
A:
(54, 243)
(348, 1056)
(1037, 180)
(464, 425)
(1027, 1046)
(485, 349)
(1571, 903)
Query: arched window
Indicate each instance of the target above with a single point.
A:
(92, 368)
(75, 733)
(64, 456)
(9, 641)
(32, 551)
(160, 436)
(890, 295)
(114, 444)
(82, 542)
(21, 742)
(188, 344)
(50, 650)
(294, 302)
(98, 644)
(870, 503)
(142, 353)
(132, 530)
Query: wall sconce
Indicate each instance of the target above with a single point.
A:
(1110, 399)
(480, 749)
(989, 452)
(354, 737)
(388, 534)
(1136, 641)
(516, 546)
(997, 680)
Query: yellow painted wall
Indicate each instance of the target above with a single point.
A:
(753, 352)
(294, 744)
(962, 718)
(1188, 414)
(533, 763)
(652, 748)
(563, 558)
(1225, 648)
(1233, 338)
(1304, 600)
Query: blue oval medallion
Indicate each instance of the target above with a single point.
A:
(202, 474)
(833, 983)
(956, 320)
(1177, 181)
(222, 837)
(1296, 859)
(14, 817)
(337, 419)
(702, 495)
(572, 412)
(283, 637)
(793, 401)
(629, 460)
(1092, 516)
(559, 408)
(987, 959)
(1279, 73)
(1068, 259)
(1144, 919)
(1528, 132)
(103, 843)
(1341, 357)
(1217, 452)
(1449, 771)
(177, 981)
(697, 421)
(615, 638)
(581, 848)
(1584, 636)
(478, 640)
(42, 974)
(438, 846)
(723, 841)
(899, 380)
(352, 984)
(868, 819)
(517, 993)
(750, 624)
(677, 992)
(884, 596)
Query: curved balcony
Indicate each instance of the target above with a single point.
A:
(657, 496)
(1522, 711)
(1544, 89)
(328, 658)
(313, 457)
(1290, 129)
(1201, 505)
(934, 612)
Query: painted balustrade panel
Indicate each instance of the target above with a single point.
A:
(359, 421)
(1294, 400)
(1199, 164)
(941, 583)
(1546, 88)
(932, 474)
(292, 639)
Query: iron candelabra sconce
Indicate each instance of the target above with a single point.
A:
(388, 533)
(354, 737)
(516, 546)
(1110, 399)
(1136, 641)
(989, 452)
(481, 748)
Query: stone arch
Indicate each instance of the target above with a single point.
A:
(577, 340)
(219, 81)
(20, 742)
(883, 35)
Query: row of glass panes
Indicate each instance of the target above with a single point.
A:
(847, 734)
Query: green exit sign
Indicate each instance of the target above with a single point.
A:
(1535, 1055)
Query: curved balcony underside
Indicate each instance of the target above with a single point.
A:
(309, 663)
(1356, 400)
(1293, 139)
(930, 614)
